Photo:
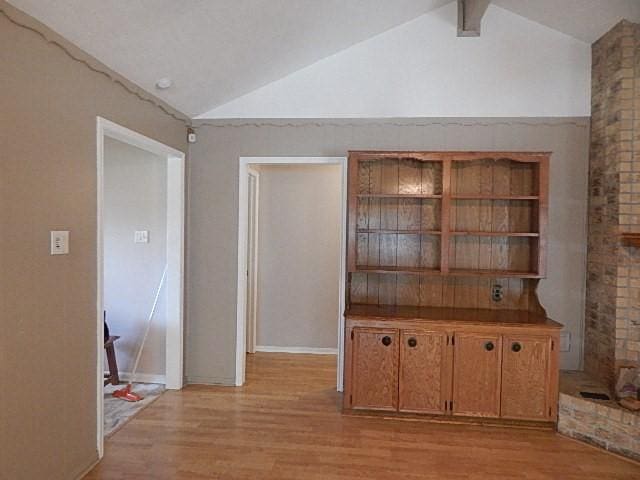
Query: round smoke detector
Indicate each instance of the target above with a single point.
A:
(164, 83)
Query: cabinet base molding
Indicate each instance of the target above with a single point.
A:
(449, 420)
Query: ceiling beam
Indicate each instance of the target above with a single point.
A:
(470, 13)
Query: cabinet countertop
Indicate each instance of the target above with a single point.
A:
(455, 315)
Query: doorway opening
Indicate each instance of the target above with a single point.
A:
(291, 260)
(140, 268)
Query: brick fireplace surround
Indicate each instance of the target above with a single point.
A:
(612, 323)
(612, 329)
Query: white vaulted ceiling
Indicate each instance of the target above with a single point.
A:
(217, 51)
(586, 20)
(516, 68)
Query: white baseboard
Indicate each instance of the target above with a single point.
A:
(84, 471)
(143, 377)
(216, 381)
(310, 350)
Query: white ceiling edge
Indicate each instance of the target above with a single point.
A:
(586, 20)
(516, 68)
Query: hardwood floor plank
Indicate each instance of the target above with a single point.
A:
(286, 424)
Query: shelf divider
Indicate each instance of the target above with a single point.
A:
(444, 215)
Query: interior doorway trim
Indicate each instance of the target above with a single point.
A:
(175, 257)
(243, 214)
(253, 177)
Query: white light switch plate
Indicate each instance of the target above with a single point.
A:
(141, 236)
(59, 242)
(565, 341)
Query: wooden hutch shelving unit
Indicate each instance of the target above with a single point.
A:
(445, 250)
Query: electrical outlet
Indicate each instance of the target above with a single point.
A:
(141, 236)
(59, 242)
(496, 293)
(565, 341)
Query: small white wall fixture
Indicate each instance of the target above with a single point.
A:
(243, 222)
(174, 374)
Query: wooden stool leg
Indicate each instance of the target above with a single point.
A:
(113, 365)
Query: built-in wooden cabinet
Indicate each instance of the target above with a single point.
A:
(448, 366)
(444, 254)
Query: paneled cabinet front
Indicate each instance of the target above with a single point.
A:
(455, 371)
(375, 369)
(476, 374)
(425, 371)
(526, 377)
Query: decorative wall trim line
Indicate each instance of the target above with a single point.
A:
(391, 123)
(111, 76)
(307, 350)
(143, 377)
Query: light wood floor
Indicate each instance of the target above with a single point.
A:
(286, 424)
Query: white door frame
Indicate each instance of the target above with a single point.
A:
(243, 207)
(252, 253)
(175, 257)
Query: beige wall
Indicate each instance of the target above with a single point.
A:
(48, 108)
(135, 198)
(213, 197)
(299, 255)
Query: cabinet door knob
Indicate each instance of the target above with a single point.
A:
(489, 346)
(386, 341)
(412, 342)
(516, 347)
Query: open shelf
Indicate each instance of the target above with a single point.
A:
(398, 250)
(397, 195)
(447, 214)
(494, 197)
(400, 232)
(488, 217)
(631, 239)
(398, 215)
(492, 273)
(455, 272)
(498, 179)
(493, 253)
(399, 177)
(406, 270)
(496, 234)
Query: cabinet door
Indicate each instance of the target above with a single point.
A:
(424, 372)
(525, 377)
(375, 369)
(476, 374)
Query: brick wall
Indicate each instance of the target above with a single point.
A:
(612, 327)
(605, 425)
